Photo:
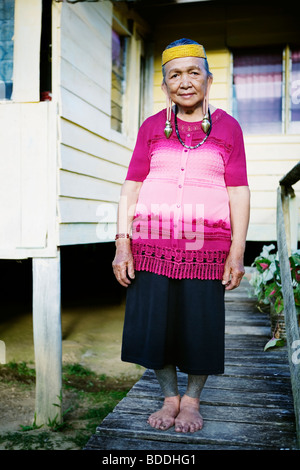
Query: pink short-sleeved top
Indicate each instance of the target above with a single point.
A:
(181, 227)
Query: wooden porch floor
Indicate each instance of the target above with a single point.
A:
(250, 407)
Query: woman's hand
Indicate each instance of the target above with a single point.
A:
(239, 201)
(233, 270)
(123, 262)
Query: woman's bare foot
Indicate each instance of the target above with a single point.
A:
(165, 417)
(189, 418)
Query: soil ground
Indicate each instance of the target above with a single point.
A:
(91, 342)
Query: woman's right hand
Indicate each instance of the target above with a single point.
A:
(123, 263)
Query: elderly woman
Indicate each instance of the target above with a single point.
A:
(185, 203)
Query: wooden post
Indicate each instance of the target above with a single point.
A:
(2, 352)
(293, 209)
(291, 323)
(47, 339)
(285, 204)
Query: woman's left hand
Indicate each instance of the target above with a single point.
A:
(233, 271)
(239, 199)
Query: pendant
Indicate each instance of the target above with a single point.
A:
(168, 129)
(205, 124)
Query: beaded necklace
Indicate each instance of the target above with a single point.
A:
(181, 141)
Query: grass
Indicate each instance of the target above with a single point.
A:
(92, 397)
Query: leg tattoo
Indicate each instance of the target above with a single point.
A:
(165, 417)
(167, 378)
(195, 385)
(189, 418)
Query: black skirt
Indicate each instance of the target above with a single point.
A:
(175, 321)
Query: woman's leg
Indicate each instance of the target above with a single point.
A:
(195, 385)
(189, 418)
(165, 417)
(167, 379)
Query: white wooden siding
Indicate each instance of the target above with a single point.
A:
(93, 160)
(27, 149)
(27, 180)
(269, 158)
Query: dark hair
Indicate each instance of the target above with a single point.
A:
(182, 42)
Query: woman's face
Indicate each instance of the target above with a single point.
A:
(186, 82)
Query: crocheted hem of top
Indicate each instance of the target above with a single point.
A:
(179, 264)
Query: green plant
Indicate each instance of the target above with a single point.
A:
(56, 424)
(33, 426)
(266, 280)
(21, 368)
(267, 285)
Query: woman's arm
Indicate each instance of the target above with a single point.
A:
(123, 261)
(239, 201)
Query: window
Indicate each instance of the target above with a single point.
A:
(46, 53)
(6, 48)
(263, 96)
(294, 101)
(118, 80)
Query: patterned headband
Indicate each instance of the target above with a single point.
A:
(186, 50)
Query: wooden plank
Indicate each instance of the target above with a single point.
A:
(257, 358)
(215, 412)
(250, 384)
(262, 167)
(261, 198)
(79, 138)
(260, 232)
(112, 443)
(96, 17)
(77, 161)
(2, 352)
(47, 338)
(27, 179)
(72, 210)
(27, 39)
(88, 52)
(74, 234)
(218, 91)
(229, 433)
(239, 342)
(76, 110)
(10, 176)
(36, 179)
(269, 182)
(86, 187)
(270, 150)
(250, 406)
(218, 397)
(78, 83)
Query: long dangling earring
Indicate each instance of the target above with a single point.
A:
(168, 128)
(205, 122)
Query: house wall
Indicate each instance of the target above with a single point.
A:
(27, 136)
(269, 157)
(93, 158)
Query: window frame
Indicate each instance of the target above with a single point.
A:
(136, 48)
(286, 94)
(123, 84)
(6, 99)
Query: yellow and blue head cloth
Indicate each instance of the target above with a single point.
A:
(186, 50)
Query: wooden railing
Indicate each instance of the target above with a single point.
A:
(287, 240)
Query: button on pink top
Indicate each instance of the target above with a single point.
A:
(181, 227)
